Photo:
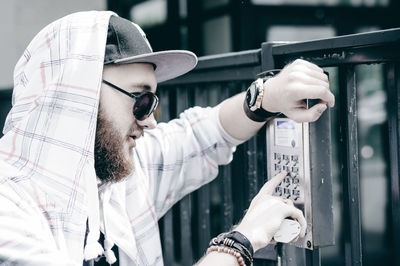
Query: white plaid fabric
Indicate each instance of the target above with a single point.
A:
(47, 172)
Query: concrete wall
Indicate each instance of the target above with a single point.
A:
(20, 20)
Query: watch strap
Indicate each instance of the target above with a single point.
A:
(259, 115)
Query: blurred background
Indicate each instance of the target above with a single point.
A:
(209, 27)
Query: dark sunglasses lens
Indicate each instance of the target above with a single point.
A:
(143, 106)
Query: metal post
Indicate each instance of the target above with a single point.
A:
(203, 194)
(313, 257)
(167, 220)
(184, 205)
(393, 111)
(225, 179)
(350, 165)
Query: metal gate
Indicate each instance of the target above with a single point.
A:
(187, 228)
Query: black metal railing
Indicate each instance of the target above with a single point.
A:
(188, 227)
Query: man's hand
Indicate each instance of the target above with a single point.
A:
(266, 213)
(300, 80)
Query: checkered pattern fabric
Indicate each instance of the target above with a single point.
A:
(47, 162)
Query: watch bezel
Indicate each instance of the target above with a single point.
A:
(252, 94)
(259, 94)
(252, 105)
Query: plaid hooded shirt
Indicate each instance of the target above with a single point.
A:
(48, 185)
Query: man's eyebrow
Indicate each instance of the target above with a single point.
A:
(142, 86)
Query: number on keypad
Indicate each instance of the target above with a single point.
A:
(290, 186)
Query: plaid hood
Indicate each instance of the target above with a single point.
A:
(49, 133)
(48, 186)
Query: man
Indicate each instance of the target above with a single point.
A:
(82, 154)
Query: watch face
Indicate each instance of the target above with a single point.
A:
(251, 95)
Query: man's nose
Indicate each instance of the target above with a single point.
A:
(148, 123)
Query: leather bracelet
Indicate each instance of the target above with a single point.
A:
(241, 239)
(236, 241)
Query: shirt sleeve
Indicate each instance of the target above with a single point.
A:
(184, 154)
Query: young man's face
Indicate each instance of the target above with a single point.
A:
(117, 127)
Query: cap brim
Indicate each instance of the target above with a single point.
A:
(169, 64)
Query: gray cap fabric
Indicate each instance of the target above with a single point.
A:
(127, 43)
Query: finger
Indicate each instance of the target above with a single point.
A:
(307, 115)
(301, 105)
(286, 201)
(308, 64)
(298, 215)
(303, 223)
(270, 186)
(315, 92)
(311, 72)
(324, 102)
(313, 78)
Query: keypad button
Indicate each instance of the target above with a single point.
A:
(286, 181)
(286, 193)
(286, 159)
(295, 169)
(295, 158)
(296, 194)
(277, 167)
(278, 191)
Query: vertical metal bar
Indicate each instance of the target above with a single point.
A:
(350, 165)
(252, 161)
(203, 194)
(195, 21)
(164, 113)
(184, 204)
(227, 203)
(313, 257)
(186, 235)
(167, 220)
(226, 182)
(168, 239)
(252, 177)
(393, 110)
(293, 256)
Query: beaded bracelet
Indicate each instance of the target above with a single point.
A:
(227, 250)
(242, 240)
(230, 243)
(237, 242)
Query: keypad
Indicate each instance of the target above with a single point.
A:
(290, 187)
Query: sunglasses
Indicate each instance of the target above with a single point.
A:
(145, 102)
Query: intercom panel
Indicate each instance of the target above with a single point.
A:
(303, 150)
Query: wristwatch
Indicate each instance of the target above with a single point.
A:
(252, 104)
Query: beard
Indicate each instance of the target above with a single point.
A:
(111, 163)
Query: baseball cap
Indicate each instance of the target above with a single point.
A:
(127, 43)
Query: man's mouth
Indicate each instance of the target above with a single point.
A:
(132, 138)
(132, 141)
